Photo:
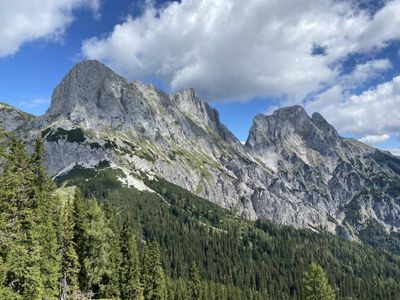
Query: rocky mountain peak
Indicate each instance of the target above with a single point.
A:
(12, 118)
(294, 169)
(89, 89)
(202, 113)
(292, 130)
(323, 124)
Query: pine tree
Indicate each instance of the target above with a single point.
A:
(112, 279)
(69, 258)
(153, 274)
(80, 240)
(131, 287)
(180, 292)
(2, 144)
(20, 248)
(96, 259)
(5, 240)
(194, 286)
(316, 285)
(40, 178)
(47, 207)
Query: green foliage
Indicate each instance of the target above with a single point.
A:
(69, 258)
(316, 285)
(79, 236)
(96, 259)
(75, 135)
(394, 187)
(131, 287)
(353, 211)
(112, 233)
(154, 285)
(375, 234)
(48, 225)
(256, 260)
(194, 286)
(186, 247)
(20, 248)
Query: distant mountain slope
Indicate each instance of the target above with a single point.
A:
(261, 259)
(294, 169)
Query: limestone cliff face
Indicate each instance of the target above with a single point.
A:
(294, 169)
(12, 119)
(326, 171)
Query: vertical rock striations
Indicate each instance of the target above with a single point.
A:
(294, 169)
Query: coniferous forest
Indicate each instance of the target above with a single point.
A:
(108, 241)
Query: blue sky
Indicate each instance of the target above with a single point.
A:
(341, 58)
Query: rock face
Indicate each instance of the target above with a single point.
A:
(12, 119)
(327, 172)
(294, 169)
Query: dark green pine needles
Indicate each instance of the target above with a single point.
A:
(114, 242)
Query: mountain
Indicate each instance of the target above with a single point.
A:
(294, 169)
(13, 119)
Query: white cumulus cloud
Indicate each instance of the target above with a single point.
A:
(364, 72)
(23, 21)
(235, 49)
(375, 139)
(372, 115)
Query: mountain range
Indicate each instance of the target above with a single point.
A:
(294, 169)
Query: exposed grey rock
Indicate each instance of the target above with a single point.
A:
(12, 119)
(294, 169)
(327, 172)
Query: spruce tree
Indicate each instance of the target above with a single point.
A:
(153, 274)
(112, 278)
(80, 240)
(96, 259)
(316, 285)
(20, 247)
(131, 287)
(40, 179)
(69, 258)
(47, 207)
(194, 286)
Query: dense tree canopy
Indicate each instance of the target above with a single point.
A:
(316, 285)
(112, 242)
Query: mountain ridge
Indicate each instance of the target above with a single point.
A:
(294, 169)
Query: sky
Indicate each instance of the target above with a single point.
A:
(338, 57)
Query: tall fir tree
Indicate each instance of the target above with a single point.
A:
(316, 285)
(80, 241)
(20, 247)
(96, 260)
(5, 292)
(40, 179)
(131, 287)
(153, 274)
(69, 257)
(194, 285)
(112, 278)
(47, 207)
(180, 292)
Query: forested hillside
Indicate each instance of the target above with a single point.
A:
(106, 240)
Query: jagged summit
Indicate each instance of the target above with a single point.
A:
(294, 168)
(290, 112)
(12, 119)
(88, 89)
(95, 97)
(292, 128)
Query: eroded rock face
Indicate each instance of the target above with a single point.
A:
(12, 119)
(325, 171)
(294, 169)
